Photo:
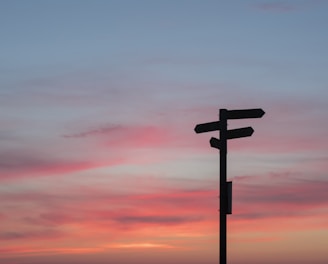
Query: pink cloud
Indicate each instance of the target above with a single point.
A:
(274, 197)
(104, 216)
(121, 212)
(133, 143)
(23, 164)
(158, 209)
(30, 235)
(127, 136)
(279, 195)
(254, 198)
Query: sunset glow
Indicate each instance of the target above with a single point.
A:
(99, 161)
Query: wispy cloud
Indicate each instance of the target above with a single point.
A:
(131, 136)
(155, 219)
(31, 235)
(21, 163)
(95, 212)
(277, 6)
(98, 131)
(17, 164)
(254, 197)
(140, 246)
(37, 251)
(286, 6)
(274, 197)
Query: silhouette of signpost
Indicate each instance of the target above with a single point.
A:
(226, 187)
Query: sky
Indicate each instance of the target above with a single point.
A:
(99, 161)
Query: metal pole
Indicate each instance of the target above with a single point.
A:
(223, 189)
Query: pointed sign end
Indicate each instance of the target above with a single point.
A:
(195, 129)
(215, 143)
(198, 129)
(251, 131)
(261, 112)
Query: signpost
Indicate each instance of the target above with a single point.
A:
(226, 187)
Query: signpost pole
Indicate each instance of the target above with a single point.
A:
(226, 187)
(223, 189)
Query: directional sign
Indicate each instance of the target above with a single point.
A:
(245, 113)
(207, 127)
(240, 132)
(215, 143)
(221, 144)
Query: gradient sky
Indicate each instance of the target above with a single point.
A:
(99, 162)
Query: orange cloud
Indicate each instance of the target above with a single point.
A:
(140, 246)
(37, 251)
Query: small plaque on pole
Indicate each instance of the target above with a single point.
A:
(229, 200)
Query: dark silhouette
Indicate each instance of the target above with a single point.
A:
(226, 187)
